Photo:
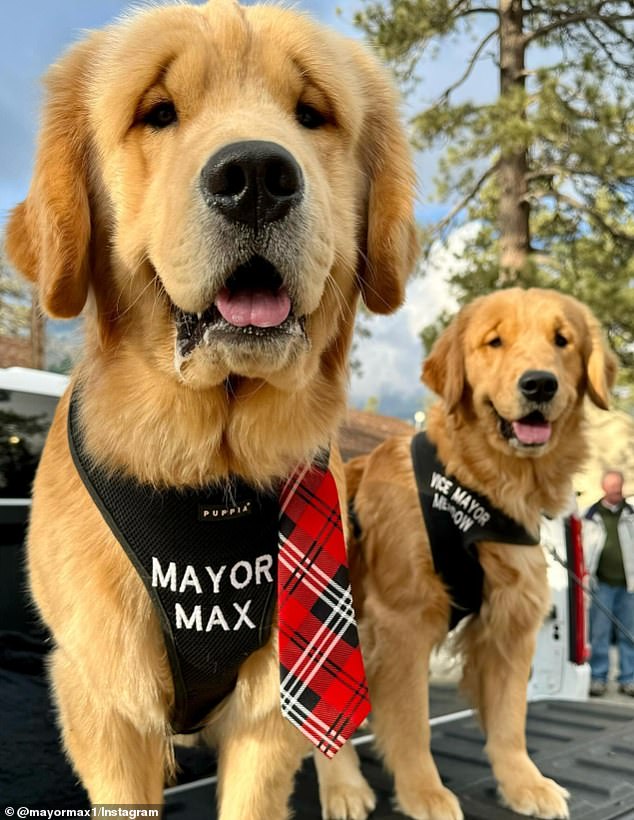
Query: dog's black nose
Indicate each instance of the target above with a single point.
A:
(538, 385)
(253, 182)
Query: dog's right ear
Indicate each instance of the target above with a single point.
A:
(444, 368)
(391, 243)
(48, 234)
(601, 363)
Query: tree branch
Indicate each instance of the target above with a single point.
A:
(583, 207)
(578, 17)
(550, 171)
(456, 12)
(440, 226)
(470, 65)
(455, 8)
(478, 10)
(623, 67)
(608, 23)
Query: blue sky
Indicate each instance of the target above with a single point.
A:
(35, 33)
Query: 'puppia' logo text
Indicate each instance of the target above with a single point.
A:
(215, 512)
(453, 499)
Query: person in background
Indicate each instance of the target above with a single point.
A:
(608, 538)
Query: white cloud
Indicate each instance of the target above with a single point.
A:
(391, 358)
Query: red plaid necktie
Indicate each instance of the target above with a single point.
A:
(323, 689)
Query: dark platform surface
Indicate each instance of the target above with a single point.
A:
(586, 747)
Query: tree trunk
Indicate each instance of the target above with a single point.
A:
(37, 332)
(513, 218)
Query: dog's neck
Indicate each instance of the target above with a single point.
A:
(522, 487)
(165, 433)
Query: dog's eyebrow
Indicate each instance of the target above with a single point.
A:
(304, 73)
(158, 79)
(309, 80)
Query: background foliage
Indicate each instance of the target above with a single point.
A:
(545, 166)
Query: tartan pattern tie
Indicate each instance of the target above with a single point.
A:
(323, 689)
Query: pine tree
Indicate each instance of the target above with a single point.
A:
(14, 300)
(547, 168)
(20, 315)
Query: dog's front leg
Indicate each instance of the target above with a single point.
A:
(499, 645)
(118, 762)
(259, 751)
(502, 706)
(257, 762)
(344, 793)
(397, 665)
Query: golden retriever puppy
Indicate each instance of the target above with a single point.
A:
(217, 184)
(512, 371)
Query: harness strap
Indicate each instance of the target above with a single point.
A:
(457, 518)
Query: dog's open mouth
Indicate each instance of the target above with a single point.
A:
(253, 305)
(529, 431)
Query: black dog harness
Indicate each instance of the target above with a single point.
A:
(208, 559)
(456, 518)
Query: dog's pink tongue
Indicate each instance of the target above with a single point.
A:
(537, 432)
(259, 308)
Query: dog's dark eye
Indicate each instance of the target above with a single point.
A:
(560, 340)
(161, 115)
(495, 342)
(309, 117)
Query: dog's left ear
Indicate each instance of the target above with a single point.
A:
(444, 368)
(600, 362)
(391, 240)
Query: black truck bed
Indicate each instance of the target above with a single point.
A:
(587, 747)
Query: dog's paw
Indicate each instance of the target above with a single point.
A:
(542, 798)
(341, 801)
(430, 804)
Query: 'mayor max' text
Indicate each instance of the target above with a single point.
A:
(228, 615)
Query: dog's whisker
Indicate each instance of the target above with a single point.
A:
(345, 308)
(157, 301)
(139, 296)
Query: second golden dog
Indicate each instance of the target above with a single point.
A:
(512, 371)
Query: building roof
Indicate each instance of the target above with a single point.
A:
(362, 432)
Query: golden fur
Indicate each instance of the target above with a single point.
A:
(115, 219)
(403, 605)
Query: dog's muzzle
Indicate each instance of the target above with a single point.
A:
(253, 306)
(537, 388)
(253, 186)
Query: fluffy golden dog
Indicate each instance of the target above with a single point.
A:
(512, 371)
(217, 184)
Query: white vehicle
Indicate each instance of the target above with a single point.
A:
(28, 399)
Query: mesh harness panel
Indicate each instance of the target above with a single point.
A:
(208, 559)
